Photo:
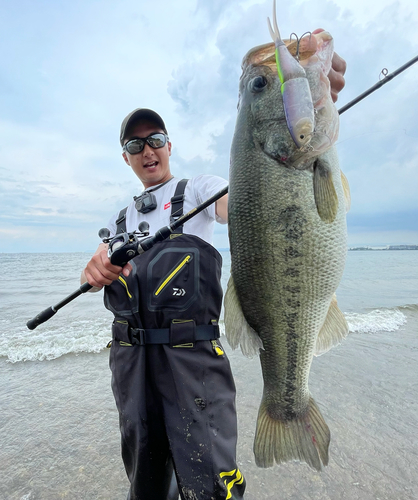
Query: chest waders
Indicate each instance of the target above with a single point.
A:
(170, 377)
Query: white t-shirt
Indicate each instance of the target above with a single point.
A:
(198, 190)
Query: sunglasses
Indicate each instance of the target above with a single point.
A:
(135, 146)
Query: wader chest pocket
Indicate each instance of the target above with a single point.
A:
(173, 279)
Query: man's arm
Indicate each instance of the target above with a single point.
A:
(221, 208)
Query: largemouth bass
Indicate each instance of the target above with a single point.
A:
(287, 231)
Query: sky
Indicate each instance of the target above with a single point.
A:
(70, 71)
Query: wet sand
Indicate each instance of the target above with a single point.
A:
(60, 440)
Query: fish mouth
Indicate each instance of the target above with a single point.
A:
(278, 149)
(283, 159)
(275, 140)
(292, 159)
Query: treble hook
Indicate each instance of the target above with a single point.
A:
(299, 40)
(297, 45)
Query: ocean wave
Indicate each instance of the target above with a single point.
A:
(46, 344)
(378, 320)
(410, 308)
(92, 335)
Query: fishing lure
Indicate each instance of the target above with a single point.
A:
(297, 99)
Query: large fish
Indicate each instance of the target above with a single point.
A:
(287, 230)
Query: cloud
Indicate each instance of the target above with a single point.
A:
(378, 146)
(71, 72)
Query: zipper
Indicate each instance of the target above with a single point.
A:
(125, 284)
(217, 348)
(173, 274)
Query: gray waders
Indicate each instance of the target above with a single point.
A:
(171, 380)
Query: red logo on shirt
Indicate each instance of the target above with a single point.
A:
(167, 205)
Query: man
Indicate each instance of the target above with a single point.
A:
(171, 380)
(180, 407)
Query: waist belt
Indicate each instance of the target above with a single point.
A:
(178, 333)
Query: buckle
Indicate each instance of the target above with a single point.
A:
(138, 336)
(177, 198)
(174, 218)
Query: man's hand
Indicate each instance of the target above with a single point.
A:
(336, 73)
(100, 271)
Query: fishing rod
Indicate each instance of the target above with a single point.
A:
(125, 246)
(122, 248)
(379, 84)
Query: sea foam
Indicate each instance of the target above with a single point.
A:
(86, 335)
(378, 320)
(47, 344)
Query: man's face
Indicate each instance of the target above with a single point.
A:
(151, 166)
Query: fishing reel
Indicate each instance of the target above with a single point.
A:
(124, 246)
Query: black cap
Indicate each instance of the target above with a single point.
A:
(140, 114)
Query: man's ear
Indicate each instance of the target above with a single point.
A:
(126, 158)
(169, 148)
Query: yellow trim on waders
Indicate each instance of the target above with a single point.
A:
(238, 479)
(171, 276)
(126, 286)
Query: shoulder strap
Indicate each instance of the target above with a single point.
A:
(176, 209)
(177, 203)
(121, 221)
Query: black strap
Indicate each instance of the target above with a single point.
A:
(121, 221)
(176, 208)
(177, 204)
(162, 335)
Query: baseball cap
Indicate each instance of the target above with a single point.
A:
(140, 114)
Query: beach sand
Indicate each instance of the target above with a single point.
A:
(60, 438)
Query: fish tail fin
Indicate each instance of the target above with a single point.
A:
(305, 438)
(237, 330)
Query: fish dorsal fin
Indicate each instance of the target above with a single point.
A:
(237, 330)
(333, 331)
(326, 198)
(347, 194)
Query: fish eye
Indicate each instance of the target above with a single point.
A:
(258, 83)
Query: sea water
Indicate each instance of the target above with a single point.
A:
(375, 289)
(59, 436)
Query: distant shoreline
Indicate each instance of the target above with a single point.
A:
(389, 247)
(222, 249)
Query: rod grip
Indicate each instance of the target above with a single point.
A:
(40, 318)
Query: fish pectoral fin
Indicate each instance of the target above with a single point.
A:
(305, 438)
(326, 198)
(347, 194)
(333, 331)
(237, 330)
